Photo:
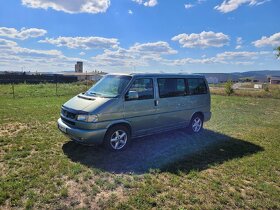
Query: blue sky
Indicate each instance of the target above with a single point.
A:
(189, 36)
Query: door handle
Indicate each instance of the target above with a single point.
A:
(156, 102)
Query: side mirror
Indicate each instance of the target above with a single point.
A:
(132, 95)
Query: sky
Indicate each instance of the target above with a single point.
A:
(190, 36)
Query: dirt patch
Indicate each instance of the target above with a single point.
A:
(11, 129)
(80, 196)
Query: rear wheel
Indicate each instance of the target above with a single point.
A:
(117, 138)
(196, 124)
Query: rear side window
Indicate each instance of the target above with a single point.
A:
(197, 86)
(144, 87)
(171, 87)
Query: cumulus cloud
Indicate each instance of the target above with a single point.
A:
(136, 55)
(228, 57)
(70, 6)
(202, 40)
(273, 41)
(130, 12)
(231, 5)
(147, 3)
(23, 33)
(85, 43)
(159, 47)
(13, 56)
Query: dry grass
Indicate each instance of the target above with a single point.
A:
(233, 164)
(273, 92)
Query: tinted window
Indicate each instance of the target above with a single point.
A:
(197, 86)
(171, 87)
(144, 88)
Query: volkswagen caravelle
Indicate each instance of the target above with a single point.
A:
(123, 106)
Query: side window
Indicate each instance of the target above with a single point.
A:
(171, 87)
(197, 86)
(144, 87)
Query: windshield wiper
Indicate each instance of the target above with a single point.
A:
(95, 94)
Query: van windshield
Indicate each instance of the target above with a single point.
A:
(109, 86)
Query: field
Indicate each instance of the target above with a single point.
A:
(247, 90)
(233, 164)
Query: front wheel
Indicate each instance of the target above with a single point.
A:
(196, 124)
(117, 138)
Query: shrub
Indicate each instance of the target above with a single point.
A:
(228, 88)
(266, 88)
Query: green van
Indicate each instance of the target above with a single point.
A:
(123, 106)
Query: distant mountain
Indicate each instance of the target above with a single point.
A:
(261, 76)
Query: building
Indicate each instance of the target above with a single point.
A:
(79, 67)
(258, 86)
(275, 80)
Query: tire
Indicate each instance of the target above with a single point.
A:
(196, 124)
(117, 138)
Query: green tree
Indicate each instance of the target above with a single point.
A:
(228, 88)
(278, 52)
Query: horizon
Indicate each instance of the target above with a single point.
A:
(140, 36)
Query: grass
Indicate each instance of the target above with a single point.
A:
(42, 89)
(273, 91)
(236, 165)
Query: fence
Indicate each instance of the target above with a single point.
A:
(43, 89)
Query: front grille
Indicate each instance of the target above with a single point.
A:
(68, 114)
(67, 121)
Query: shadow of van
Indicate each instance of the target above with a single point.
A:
(170, 151)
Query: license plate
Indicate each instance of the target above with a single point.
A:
(63, 129)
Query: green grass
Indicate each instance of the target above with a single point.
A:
(42, 89)
(41, 169)
(273, 91)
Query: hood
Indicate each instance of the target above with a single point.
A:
(86, 103)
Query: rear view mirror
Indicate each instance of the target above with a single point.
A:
(132, 95)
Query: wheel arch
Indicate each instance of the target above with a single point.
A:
(120, 122)
(198, 113)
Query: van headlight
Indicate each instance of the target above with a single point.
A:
(87, 118)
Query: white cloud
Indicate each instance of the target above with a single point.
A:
(136, 55)
(24, 33)
(13, 57)
(202, 40)
(130, 12)
(147, 3)
(228, 57)
(188, 6)
(120, 57)
(239, 43)
(70, 6)
(85, 43)
(82, 53)
(184, 61)
(273, 41)
(159, 47)
(231, 5)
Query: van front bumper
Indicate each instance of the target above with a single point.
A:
(81, 135)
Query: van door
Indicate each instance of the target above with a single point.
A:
(172, 106)
(140, 111)
(199, 95)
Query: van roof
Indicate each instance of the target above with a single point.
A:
(161, 75)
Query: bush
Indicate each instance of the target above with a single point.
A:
(266, 88)
(228, 88)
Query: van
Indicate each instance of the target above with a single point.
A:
(120, 107)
